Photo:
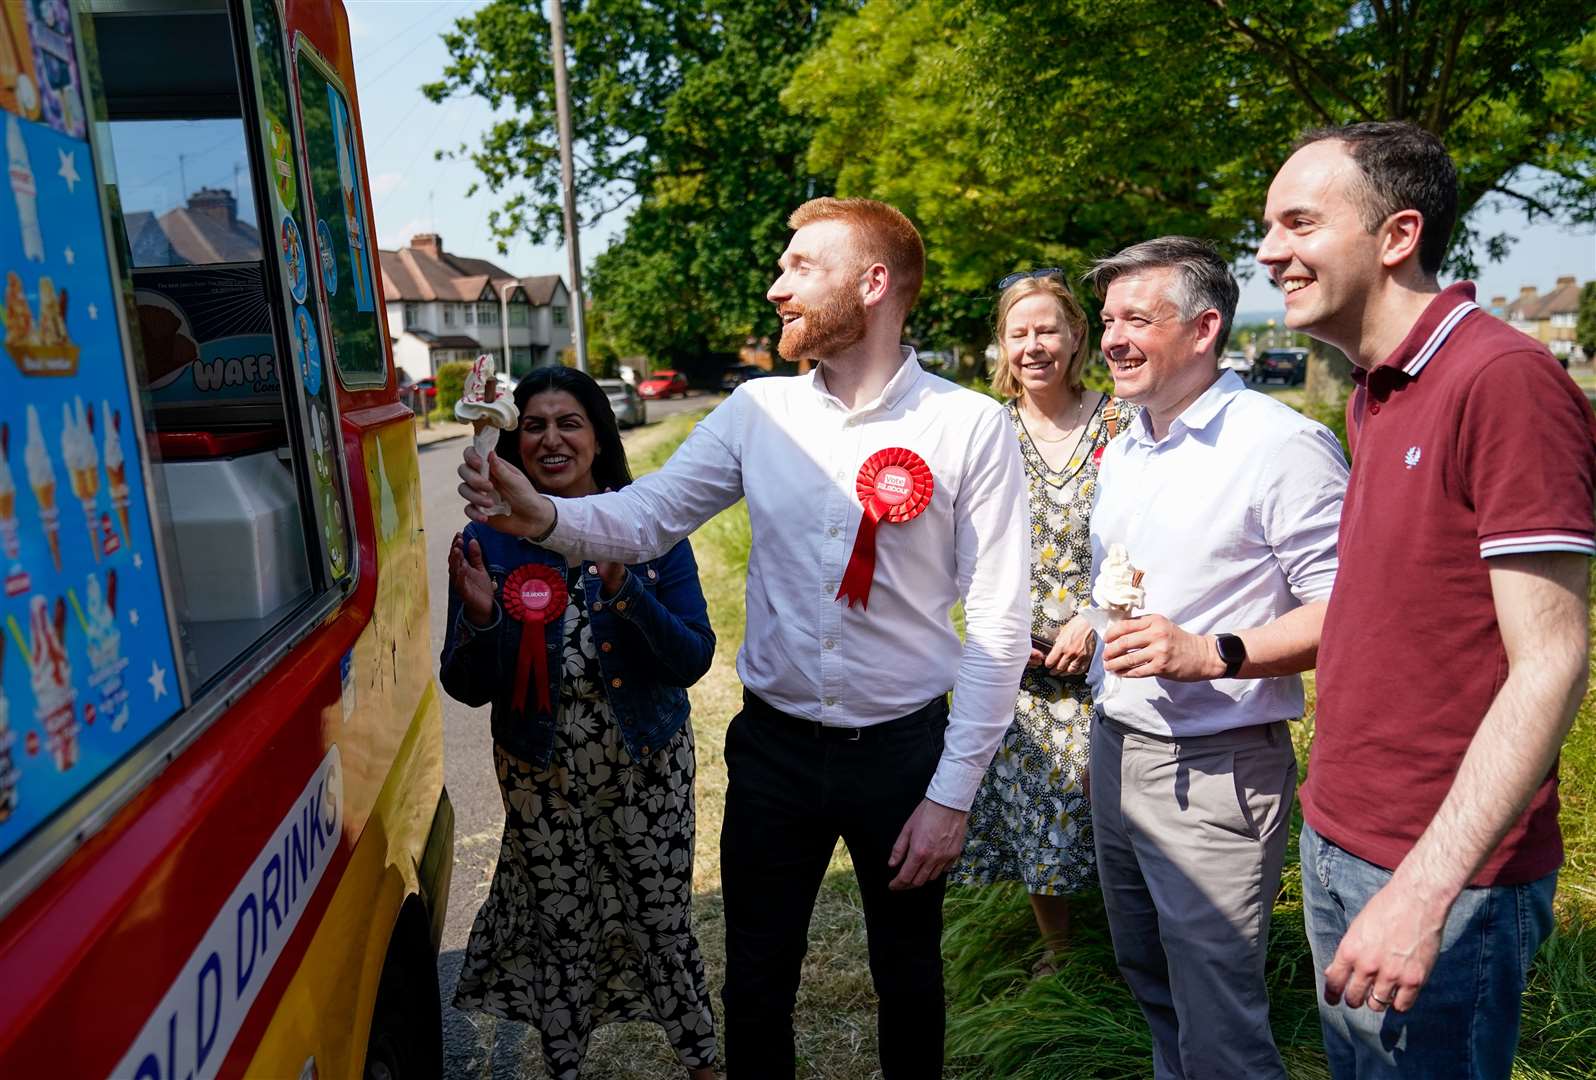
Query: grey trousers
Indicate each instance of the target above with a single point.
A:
(1191, 835)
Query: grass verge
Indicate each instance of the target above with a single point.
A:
(1081, 1024)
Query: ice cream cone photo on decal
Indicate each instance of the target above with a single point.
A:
(54, 696)
(10, 540)
(8, 769)
(41, 477)
(83, 466)
(116, 467)
(488, 411)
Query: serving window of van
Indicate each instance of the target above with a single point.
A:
(247, 463)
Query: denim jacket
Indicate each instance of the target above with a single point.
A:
(653, 639)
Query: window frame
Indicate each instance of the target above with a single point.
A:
(31, 862)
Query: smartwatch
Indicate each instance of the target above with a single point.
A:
(1233, 651)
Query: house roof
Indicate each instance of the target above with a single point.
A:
(206, 231)
(423, 271)
(1562, 300)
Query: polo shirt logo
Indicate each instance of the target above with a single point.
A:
(1411, 458)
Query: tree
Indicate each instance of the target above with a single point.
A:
(677, 113)
(1037, 131)
(1585, 326)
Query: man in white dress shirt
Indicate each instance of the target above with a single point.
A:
(1228, 502)
(845, 730)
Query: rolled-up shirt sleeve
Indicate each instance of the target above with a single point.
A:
(993, 560)
(648, 517)
(1300, 509)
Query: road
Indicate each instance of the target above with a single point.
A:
(474, 1045)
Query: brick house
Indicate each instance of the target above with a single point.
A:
(1549, 319)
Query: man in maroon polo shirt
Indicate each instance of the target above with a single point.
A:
(1455, 649)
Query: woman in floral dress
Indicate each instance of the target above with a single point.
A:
(1031, 821)
(589, 918)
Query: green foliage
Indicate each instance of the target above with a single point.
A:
(678, 113)
(1585, 324)
(1044, 132)
(451, 386)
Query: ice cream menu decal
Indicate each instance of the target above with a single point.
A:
(86, 661)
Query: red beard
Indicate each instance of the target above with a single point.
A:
(826, 330)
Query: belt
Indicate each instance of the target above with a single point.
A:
(754, 705)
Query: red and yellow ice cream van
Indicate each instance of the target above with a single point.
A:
(225, 845)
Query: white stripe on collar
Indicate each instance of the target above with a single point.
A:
(1438, 337)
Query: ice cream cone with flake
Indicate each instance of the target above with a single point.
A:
(83, 466)
(54, 696)
(115, 467)
(10, 540)
(41, 477)
(489, 412)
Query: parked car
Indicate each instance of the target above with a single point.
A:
(1236, 361)
(663, 384)
(737, 374)
(630, 408)
(1290, 366)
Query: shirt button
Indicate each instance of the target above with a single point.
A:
(647, 751)
(615, 683)
(605, 647)
(652, 575)
(598, 607)
(829, 643)
(620, 605)
(1374, 407)
(592, 569)
(833, 530)
(830, 701)
(829, 587)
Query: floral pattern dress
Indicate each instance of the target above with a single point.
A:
(587, 921)
(1031, 821)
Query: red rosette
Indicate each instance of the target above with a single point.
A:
(533, 595)
(895, 486)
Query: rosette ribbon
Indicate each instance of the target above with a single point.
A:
(533, 595)
(894, 486)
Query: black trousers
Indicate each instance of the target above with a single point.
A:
(794, 789)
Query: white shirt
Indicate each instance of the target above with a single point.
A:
(1232, 516)
(792, 449)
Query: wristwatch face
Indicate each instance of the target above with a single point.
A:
(1231, 649)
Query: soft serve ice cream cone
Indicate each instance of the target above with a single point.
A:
(41, 477)
(488, 412)
(1118, 588)
(115, 467)
(83, 466)
(106, 662)
(9, 539)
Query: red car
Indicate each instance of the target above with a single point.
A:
(663, 384)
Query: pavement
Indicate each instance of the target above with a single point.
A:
(475, 1045)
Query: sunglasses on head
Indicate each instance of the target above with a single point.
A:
(1021, 275)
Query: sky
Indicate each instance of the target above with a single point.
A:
(397, 47)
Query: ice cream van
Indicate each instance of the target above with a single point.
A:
(225, 845)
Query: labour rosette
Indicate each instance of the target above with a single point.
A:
(533, 595)
(894, 486)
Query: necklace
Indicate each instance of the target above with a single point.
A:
(1080, 405)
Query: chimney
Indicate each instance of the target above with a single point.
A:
(1498, 303)
(1527, 294)
(214, 204)
(428, 242)
(1565, 280)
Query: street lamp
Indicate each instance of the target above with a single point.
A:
(504, 288)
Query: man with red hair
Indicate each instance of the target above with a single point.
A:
(878, 495)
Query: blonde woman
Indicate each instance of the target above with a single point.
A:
(1031, 821)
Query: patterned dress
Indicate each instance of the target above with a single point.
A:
(588, 918)
(1031, 821)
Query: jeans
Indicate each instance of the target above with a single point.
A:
(794, 789)
(1464, 1025)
